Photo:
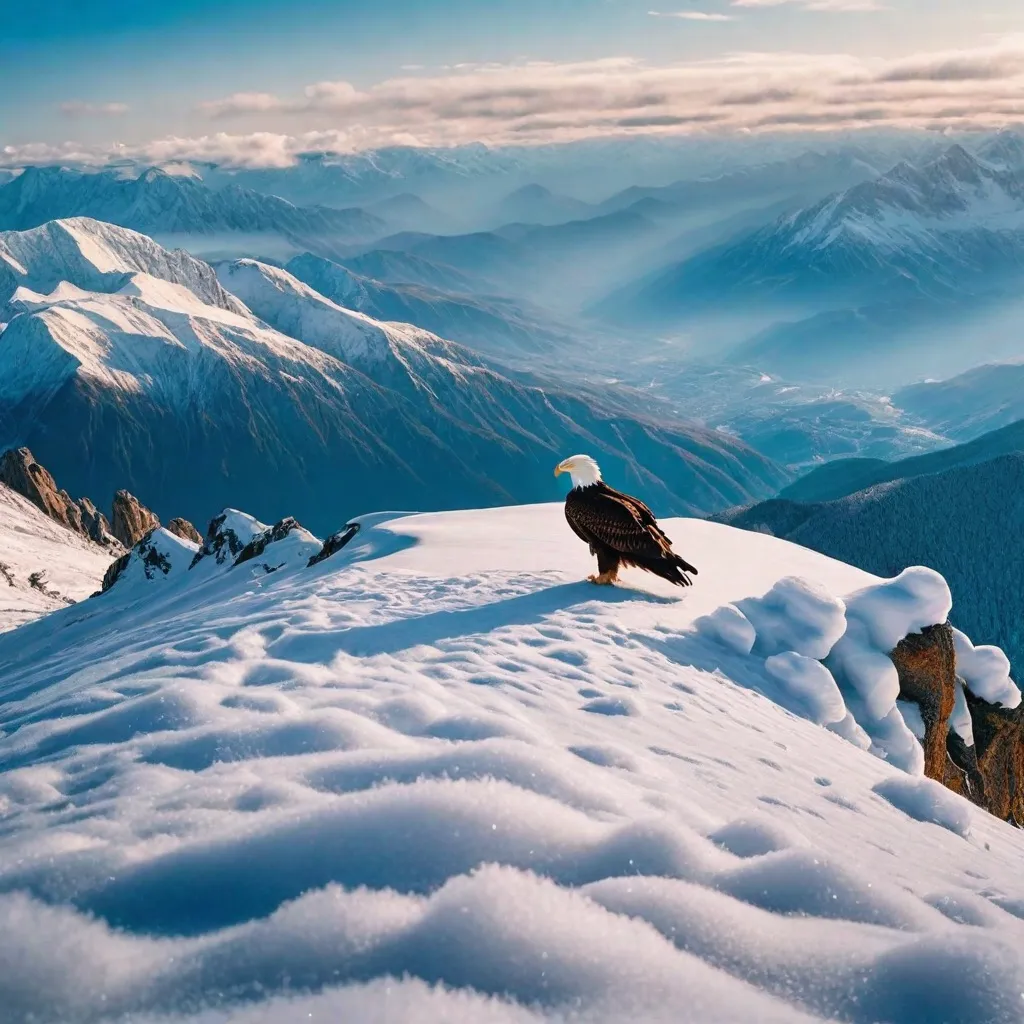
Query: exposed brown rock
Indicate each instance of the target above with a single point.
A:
(130, 519)
(185, 530)
(334, 543)
(990, 773)
(926, 663)
(999, 746)
(20, 471)
(95, 524)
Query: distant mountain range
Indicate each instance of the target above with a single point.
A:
(955, 511)
(863, 282)
(124, 364)
(155, 202)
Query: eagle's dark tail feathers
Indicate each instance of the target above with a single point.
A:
(672, 568)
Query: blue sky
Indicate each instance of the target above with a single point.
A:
(96, 71)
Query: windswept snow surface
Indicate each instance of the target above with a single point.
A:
(32, 542)
(437, 777)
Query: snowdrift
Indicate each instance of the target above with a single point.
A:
(436, 777)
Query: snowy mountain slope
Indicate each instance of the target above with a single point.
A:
(31, 542)
(157, 203)
(493, 326)
(198, 406)
(962, 520)
(97, 257)
(438, 758)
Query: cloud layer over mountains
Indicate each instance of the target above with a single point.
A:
(543, 101)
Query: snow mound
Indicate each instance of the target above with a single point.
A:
(927, 800)
(267, 798)
(796, 615)
(986, 671)
(878, 618)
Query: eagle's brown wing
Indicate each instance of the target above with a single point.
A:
(606, 517)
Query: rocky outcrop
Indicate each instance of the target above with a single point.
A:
(285, 543)
(226, 537)
(999, 749)
(185, 530)
(158, 556)
(334, 544)
(926, 663)
(96, 525)
(22, 474)
(20, 471)
(131, 520)
(990, 770)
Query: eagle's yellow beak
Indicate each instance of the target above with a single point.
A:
(559, 469)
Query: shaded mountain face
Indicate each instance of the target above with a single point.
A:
(285, 402)
(157, 203)
(963, 521)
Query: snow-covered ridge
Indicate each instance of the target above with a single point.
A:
(98, 257)
(441, 757)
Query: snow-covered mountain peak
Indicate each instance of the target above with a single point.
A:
(98, 256)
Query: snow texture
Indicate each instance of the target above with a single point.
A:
(377, 790)
(31, 542)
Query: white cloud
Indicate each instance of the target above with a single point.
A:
(77, 108)
(692, 15)
(815, 5)
(535, 102)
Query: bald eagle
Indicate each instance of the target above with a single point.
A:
(621, 530)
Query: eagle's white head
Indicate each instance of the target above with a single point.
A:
(582, 468)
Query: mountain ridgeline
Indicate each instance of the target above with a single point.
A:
(122, 362)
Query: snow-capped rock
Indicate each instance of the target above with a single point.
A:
(285, 544)
(402, 780)
(227, 536)
(159, 556)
